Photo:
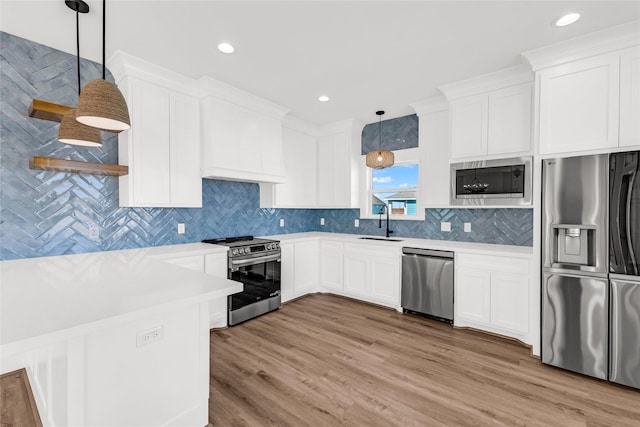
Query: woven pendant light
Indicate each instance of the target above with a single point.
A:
(101, 104)
(380, 159)
(72, 131)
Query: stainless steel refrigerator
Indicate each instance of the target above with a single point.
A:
(591, 262)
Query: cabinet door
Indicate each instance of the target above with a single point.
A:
(186, 181)
(306, 256)
(469, 121)
(510, 301)
(472, 295)
(356, 274)
(579, 105)
(510, 120)
(216, 265)
(434, 149)
(331, 266)
(334, 171)
(287, 271)
(300, 168)
(630, 97)
(150, 145)
(385, 279)
(270, 144)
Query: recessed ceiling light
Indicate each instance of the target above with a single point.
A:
(323, 98)
(226, 48)
(567, 19)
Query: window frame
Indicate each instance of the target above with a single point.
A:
(402, 157)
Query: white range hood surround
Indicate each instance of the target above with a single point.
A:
(241, 134)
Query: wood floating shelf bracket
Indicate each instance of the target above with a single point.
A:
(45, 110)
(74, 166)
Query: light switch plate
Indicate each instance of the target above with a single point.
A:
(445, 226)
(181, 228)
(281, 222)
(321, 221)
(467, 227)
(356, 223)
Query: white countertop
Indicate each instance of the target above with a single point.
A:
(56, 297)
(445, 245)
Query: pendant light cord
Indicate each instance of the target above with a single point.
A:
(78, 47)
(104, 19)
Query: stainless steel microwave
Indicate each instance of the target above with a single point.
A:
(492, 182)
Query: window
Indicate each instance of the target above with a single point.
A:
(395, 187)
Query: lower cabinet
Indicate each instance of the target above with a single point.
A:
(299, 271)
(372, 273)
(331, 266)
(492, 293)
(216, 265)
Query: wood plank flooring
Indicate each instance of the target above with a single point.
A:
(325, 360)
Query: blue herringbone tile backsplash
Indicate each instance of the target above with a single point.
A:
(50, 213)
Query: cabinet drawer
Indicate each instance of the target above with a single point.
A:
(493, 263)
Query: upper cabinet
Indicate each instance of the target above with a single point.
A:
(162, 148)
(433, 135)
(299, 146)
(241, 134)
(588, 92)
(320, 166)
(630, 97)
(337, 166)
(490, 115)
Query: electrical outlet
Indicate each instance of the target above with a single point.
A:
(356, 223)
(149, 336)
(321, 221)
(94, 232)
(445, 226)
(467, 227)
(281, 222)
(180, 228)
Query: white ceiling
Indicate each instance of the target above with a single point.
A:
(366, 55)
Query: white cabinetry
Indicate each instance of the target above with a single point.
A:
(299, 189)
(372, 273)
(588, 92)
(299, 268)
(579, 105)
(331, 266)
(490, 115)
(162, 148)
(241, 134)
(630, 97)
(215, 265)
(433, 134)
(492, 293)
(337, 165)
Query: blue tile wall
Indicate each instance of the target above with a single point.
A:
(499, 226)
(397, 134)
(46, 213)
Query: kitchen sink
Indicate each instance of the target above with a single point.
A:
(384, 239)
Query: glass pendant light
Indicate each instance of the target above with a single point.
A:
(71, 131)
(101, 104)
(380, 159)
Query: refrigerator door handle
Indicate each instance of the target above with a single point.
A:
(624, 172)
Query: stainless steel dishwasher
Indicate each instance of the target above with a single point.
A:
(427, 282)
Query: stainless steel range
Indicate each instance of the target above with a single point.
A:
(256, 264)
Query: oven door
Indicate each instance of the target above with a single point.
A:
(261, 279)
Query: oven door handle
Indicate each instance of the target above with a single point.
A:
(257, 260)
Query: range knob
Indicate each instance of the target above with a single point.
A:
(269, 246)
(241, 250)
(276, 245)
(234, 252)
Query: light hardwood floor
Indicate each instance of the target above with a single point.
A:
(324, 360)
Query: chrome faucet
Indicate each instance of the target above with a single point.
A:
(386, 210)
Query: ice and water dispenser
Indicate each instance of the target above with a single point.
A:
(574, 245)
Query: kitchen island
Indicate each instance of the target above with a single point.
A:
(111, 338)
